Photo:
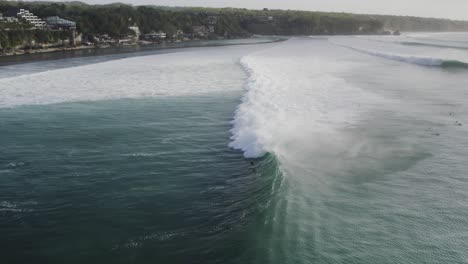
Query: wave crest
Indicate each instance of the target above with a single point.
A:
(293, 97)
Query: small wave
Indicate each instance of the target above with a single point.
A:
(17, 207)
(454, 64)
(436, 39)
(418, 60)
(142, 154)
(15, 164)
(414, 43)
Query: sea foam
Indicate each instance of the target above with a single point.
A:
(196, 71)
(294, 91)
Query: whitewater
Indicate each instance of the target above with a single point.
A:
(340, 149)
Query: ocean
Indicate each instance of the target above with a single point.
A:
(343, 149)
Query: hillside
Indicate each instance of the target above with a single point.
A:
(114, 20)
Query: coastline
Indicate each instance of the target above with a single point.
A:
(85, 51)
(45, 50)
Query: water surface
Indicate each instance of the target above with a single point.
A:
(313, 150)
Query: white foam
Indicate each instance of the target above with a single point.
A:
(293, 93)
(198, 71)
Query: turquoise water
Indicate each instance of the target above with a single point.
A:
(313, 150)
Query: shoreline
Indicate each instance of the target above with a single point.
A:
(46, 50)
(86, 51)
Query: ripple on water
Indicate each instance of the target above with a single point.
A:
(17, 207)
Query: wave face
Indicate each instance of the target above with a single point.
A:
(419, 53)
(349, 131)
(295, 105)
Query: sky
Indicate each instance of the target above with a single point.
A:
(452, 9)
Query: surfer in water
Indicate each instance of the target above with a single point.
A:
(252, 164)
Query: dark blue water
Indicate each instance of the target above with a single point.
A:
(128, 181)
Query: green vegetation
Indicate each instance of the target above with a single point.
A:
(14, 35)
(28, 38)
(115, 20)
(418, 24)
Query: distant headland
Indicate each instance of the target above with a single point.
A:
(29, 27)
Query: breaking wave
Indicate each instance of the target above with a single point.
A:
(293, 99)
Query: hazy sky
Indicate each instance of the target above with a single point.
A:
(454, 9)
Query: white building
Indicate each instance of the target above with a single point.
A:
(155, 36)
(135, 29)
(31, 18)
